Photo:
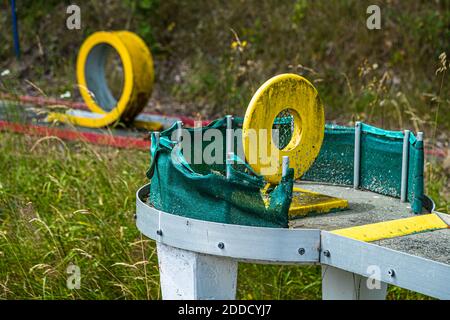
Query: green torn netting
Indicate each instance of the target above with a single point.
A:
(201, 191)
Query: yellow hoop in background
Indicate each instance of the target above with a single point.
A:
(138, 80)
(283, 92)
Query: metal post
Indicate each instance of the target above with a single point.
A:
(357, 156)
(229, 134)
(15, 29)
(159, 231)
(179, 131)
(285, 166)
(156, 133)
(420, 136)
(417, 201)
(229, 144)
(405, 163)
(229, 162)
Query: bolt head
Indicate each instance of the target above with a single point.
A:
(159, 232)
(301, 251)
(327, 253)
(221, 245)
(391, 273)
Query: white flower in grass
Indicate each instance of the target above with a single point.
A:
(5, 73)
(65, 95)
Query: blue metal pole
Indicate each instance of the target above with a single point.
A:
(15, 29)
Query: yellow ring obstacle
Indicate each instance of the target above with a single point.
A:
(286, 97)
(138, 80)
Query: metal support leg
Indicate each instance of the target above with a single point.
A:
(190, 275)
(338, 284)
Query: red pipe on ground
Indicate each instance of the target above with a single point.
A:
(73, 135)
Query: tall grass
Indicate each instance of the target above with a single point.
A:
(61, 205)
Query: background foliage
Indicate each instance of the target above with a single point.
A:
(212, 55)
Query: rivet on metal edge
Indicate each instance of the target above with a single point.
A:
(327, 253)
(221, 245)
(301, 251)
(391, 273)
(135, 216)
(159, 232)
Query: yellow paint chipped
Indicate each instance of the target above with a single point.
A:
(264, 195)
(393, 228)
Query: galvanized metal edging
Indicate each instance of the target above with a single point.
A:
(267, 245)
(397, 268)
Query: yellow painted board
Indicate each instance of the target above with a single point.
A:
(150, 126)
(393, 228)
(305, 202)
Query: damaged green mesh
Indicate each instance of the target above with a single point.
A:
(183, 185)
